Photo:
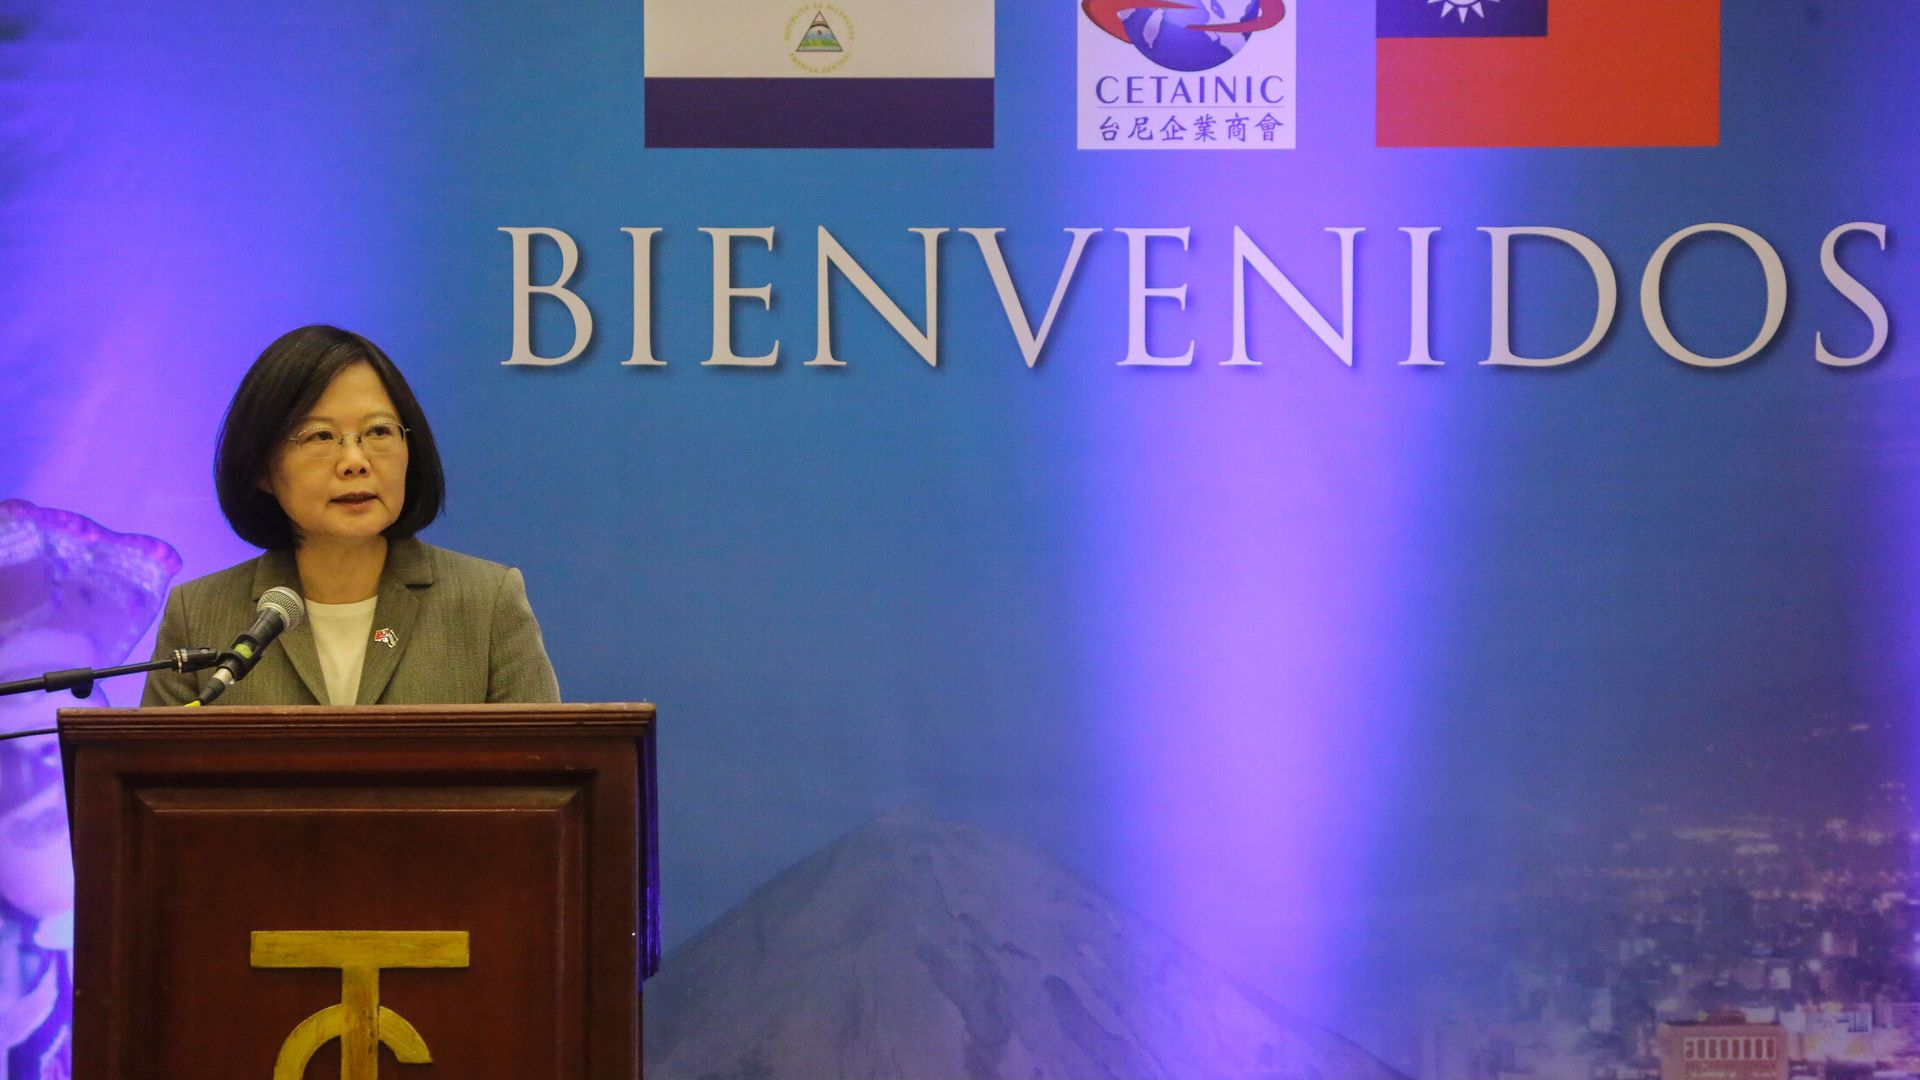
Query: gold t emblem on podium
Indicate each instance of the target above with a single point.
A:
(360, 1022)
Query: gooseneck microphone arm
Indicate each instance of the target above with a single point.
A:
(280, 609)
(81, 680)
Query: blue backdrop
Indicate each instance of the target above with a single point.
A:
(1338, 674)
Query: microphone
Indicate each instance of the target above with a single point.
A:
(280, 610)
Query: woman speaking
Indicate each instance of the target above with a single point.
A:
(326, 461)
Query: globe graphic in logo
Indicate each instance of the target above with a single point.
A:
(1164, 35)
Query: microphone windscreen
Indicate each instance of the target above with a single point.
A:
(286, 602)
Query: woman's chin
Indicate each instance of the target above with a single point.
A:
(353, 527)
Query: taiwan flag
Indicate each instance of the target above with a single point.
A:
(1547, 73)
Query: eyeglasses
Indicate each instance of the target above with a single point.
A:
(318, 443)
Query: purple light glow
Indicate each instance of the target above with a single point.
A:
(71, 595)
(1258, 548)
(1247, 594)
(181, 187)
(187, 198)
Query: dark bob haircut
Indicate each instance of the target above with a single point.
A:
(279, 389)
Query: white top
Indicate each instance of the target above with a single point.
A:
(340, 633)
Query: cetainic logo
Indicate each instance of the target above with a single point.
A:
(1185, 37)
(1186, 75)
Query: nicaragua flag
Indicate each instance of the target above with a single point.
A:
(1547, 73)
(833, 73)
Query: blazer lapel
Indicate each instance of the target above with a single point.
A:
(277, 568)
(394, 614)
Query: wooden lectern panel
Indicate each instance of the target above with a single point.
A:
(195, 830)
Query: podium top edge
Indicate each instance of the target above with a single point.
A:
(495, 720)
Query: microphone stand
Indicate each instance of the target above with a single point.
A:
(81, 680)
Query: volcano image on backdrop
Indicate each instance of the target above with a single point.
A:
(918, 949)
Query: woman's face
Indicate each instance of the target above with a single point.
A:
(337, 493)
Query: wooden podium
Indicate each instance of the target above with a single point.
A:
(313, 892)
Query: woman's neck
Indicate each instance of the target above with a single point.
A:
(341, 573)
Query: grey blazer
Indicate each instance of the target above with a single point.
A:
(448, 629)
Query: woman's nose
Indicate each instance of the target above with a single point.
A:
(352, 460)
